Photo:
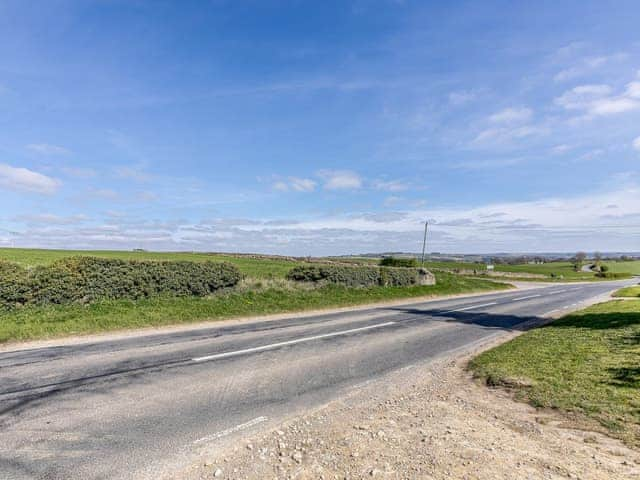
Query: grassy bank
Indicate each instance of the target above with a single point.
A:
(586, 364)
(628, 292)
(255, 299)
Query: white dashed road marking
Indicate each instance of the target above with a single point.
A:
(470, 307)
(288, 342)
(231, 430)
(525, 298)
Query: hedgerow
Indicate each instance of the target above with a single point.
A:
(399, 262)
(87, 279)
(354, 276)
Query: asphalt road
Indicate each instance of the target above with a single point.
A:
(136, 407)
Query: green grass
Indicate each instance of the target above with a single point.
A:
(632, 267)
(564, 269)
(586, 364)
(271, 297)
(628, 292)
(250, 266)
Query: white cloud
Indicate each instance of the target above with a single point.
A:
(507, 126)
(47, 149)
(340, 179)
(633, 90)
(511, 115)
(295, 184)
(598, 100)
(392, 200)
(571, 223)
(23, 179)
(504, 135)
(50, 219)
(280, 186)
(636, 144)
(588, 65)
(302, 184)
(560, 149)
(390, 185)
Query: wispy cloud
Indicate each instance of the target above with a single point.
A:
(636, 144)
(599, 100)
(23, 179)
(302, 184)
(462, 97)
(340, 179)
(295, 184)
(50, 219)
(560, 149)
(390, 185)
(47, 149)
(587, 65)
(511, 115)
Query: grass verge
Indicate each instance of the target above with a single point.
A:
(586, 364)
(259, 298)
(628, 292)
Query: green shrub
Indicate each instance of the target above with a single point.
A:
(604, 268)
(13, 284)
(606, 274)
(86, 279)
(354, 276)
(398, 262)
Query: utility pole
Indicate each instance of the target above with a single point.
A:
(424, 241)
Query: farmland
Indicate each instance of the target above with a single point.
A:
(253, 266)
(265, 267)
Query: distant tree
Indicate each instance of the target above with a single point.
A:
(597, 256)
(578, 260)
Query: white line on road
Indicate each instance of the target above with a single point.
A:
(231, 430)
(524, 298)
(470, 307)
(557, 291)
(288, 342)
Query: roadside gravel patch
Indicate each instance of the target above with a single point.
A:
(428, 421)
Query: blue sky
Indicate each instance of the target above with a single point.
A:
(313, 128)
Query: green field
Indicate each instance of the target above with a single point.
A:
(556, 270)
(632, 267)
(586, 365)
(263, 267)
(250, 266)
(256, 298)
